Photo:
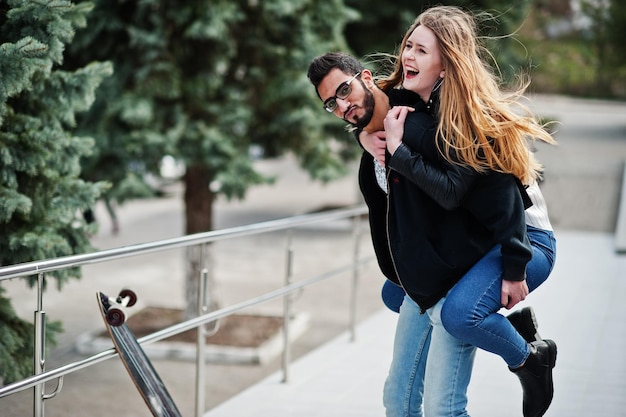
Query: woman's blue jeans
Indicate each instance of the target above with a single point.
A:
(431, 369)
(470, 312)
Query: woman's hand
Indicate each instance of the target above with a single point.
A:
(394, 126)
(374, 144)
(513, 292)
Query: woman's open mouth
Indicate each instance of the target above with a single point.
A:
(410, 73)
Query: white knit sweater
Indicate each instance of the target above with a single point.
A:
(537, 214)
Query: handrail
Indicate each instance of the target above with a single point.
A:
(41, 376)
(39, 267)
(172, 331)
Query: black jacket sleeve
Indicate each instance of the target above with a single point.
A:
(419, 160)
(446, 186)
(496, 202)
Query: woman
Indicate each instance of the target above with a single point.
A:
(481, 143)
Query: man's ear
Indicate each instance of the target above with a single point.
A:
(367, 78)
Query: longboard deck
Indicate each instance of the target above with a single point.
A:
(138, 365)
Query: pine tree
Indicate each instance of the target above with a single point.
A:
(204, 80)
(616, 35)
(41, 193)
(606, 33)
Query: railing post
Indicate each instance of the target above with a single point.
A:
(39, 357)
(356, 233)
(203, 308)
(287, 307)
(40, 349)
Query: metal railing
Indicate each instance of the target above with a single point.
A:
(40, 268)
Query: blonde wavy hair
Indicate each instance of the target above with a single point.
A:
(484, 127)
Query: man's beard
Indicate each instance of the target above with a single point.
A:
(368, 105)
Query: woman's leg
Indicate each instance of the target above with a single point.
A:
(470, 313)
(392, 295)
(470, 310)
(544, 256)
(404, 387)
(448, 371)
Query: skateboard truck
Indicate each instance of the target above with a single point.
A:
(115, 315)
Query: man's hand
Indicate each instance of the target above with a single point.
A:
(374, 144)
(513, 292)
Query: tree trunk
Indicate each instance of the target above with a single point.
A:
(198, 218)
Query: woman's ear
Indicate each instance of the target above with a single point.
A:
(442, 73)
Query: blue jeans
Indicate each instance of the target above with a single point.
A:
(430, 369)
(424, 351)
(392, 296)
(404, 386)
(470, 312)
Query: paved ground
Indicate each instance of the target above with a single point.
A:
(583, 178)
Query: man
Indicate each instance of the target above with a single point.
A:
(349, 92)
(354, 97)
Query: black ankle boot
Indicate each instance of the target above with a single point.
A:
(536, 378)
(525, 323)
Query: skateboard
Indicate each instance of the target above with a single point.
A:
(138, 365)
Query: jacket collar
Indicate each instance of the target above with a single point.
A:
(402, 97)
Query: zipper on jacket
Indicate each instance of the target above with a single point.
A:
(393, 261)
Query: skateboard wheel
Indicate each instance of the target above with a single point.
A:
(115, 317)
(130, 295)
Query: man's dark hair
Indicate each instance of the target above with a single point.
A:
(323, 64)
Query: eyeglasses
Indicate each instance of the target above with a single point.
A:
(342, 92)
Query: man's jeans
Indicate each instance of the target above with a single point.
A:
(424, 351)
(432, 368)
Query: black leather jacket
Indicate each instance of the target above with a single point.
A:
(438, 218)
